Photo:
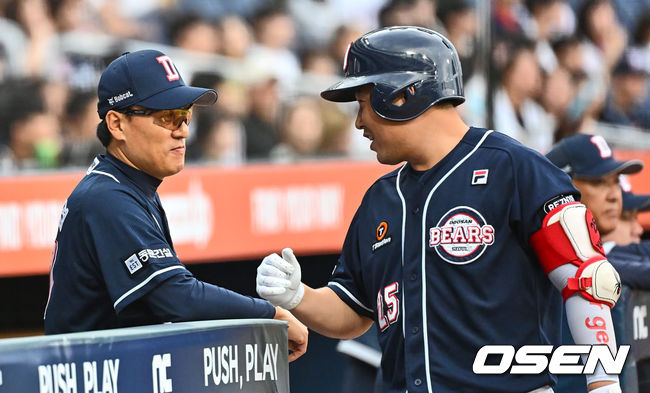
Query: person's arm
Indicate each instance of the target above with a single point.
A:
(298, 333)
(184, 298)
(278, 281)
(632, 262)
(323, 311)
(569, 249)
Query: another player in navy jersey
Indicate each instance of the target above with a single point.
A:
(475, 240)
(114, 262)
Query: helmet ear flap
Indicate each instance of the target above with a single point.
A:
(398, 104)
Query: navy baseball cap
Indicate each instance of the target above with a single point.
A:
(150, 79)
(589, 157)
(632, 201)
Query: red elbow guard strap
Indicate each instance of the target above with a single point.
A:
(596, 280)
(555, 245)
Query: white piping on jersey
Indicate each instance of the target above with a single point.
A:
(143, 283)
(354, 299)
(105, 174)
(365, 353)
(401, 197)
(154, 218)
(55, 253)
(424, 259)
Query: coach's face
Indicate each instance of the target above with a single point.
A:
(604, 198)
(146, 145)
(387, 138)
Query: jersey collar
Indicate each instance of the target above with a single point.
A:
(148, 184)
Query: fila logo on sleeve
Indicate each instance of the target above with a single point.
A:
(479, 176)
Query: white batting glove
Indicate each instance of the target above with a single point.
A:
(278, 280)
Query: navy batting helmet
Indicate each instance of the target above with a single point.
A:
(419, 63)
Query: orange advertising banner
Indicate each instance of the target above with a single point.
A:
(215, 213)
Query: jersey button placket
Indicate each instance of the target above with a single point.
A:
(417, 382)
(415, 330)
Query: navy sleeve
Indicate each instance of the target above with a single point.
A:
(633, 264)
(538, 184)
(346, 277)
(184, 298)
(131, 250)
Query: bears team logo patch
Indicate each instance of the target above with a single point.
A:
(461, 236)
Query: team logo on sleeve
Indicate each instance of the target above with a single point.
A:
(461, 236)
(382, 239)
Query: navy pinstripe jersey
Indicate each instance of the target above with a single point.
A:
(440, 260)
(113, 248)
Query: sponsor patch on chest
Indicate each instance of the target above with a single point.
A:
(382, 239)
(461, 236)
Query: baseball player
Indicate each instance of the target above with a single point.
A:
(475, 240)
(595, 172)
(114, 262)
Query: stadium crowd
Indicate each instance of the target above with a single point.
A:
(552, 68)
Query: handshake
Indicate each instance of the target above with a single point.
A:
(278, 280)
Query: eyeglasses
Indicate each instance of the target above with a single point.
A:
(170, 119)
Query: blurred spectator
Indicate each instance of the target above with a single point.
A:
(549, 19)
(35, 19)
(507, 18)
(271, 52)
(641, 37)
(279, 48)
(33, 139)
(629, 89)
(604, 38)
(193, 33)
(314, 31)
(318, 62)
(261, 122)
(13, 42)
(515, 111)
(80, 143)
(458, 19)
(423, 13)
(236, 36)
(557, 92)
(568, 52)
(410, 13)
(337, 129)
(221, 142)
(125, 18)
(343, 37)
(584, 108)
(395, 13)
(216, 9)
(301, 130)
